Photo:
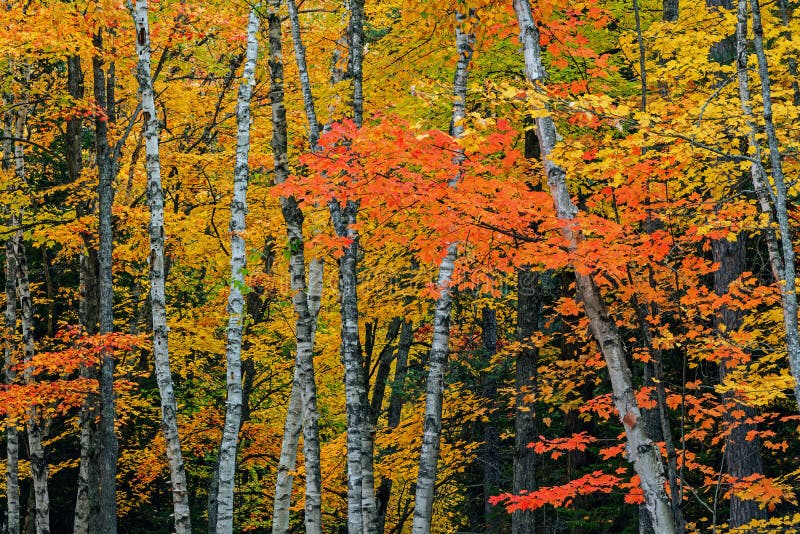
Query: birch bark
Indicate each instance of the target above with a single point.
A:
(772, 201)
(38, 462)
(10, 328)
(39, 467)
(437, 362)
(12, 434)
(155, 199)
(361, 509)
(305, 299)
(788, 284)
(641, 451)
(233, 352)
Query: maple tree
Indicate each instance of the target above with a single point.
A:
(505, 266)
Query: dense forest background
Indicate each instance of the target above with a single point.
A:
(400, 266)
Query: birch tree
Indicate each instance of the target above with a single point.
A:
(38, 462)
(233, 352)
(641, 451)
(10, 327)
(155, 200)
(440, 346)
(305, 299)
(773, 201)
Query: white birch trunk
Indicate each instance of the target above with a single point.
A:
(302, 299)
(288, 459)
(10, 328)
(440, 345)
(155, 199)
(294, 415)
(233, 352)
(641, 451)
(39, 468)
(12, 435)
(788, 284)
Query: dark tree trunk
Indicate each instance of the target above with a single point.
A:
(742, 456)
(105, 191)
(491, 433)
(529, 307)
(396, 400)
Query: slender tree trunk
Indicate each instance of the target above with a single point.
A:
(108, 439)
(9, 340)
(233, 352)
(305, 82)
(385, 359)
(39, 467)
(361, 506)
(305, 301)
(38, 462)
(12, 435)
(288, 458)
(788, 285)
(529, 309)
(773, 202)
(437, 361)
(670, 10)
(396, 401)
(155, 199)
(491, 433)
(86, 498)
(642, 452)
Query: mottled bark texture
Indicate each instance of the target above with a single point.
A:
(236, 302)
(440, 345)
(155, 200)
(773, 201)
(641, 451)
(305, 298)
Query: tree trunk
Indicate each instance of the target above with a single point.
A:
(233, 352)
(788, 284)
(305, 82)
(12, 435)
(108, 439)
(86, 498)
(305, 300)
(529, 309)
(361, 506)
(9, 341)
(384, 368)
(396, 400)
(155, 200)
(288, 458)
(644, 455)
(39, 467)
(742, 456)
(437, 361)
(782, 258)
(38, 462)
(491, 433)
(670, 10)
